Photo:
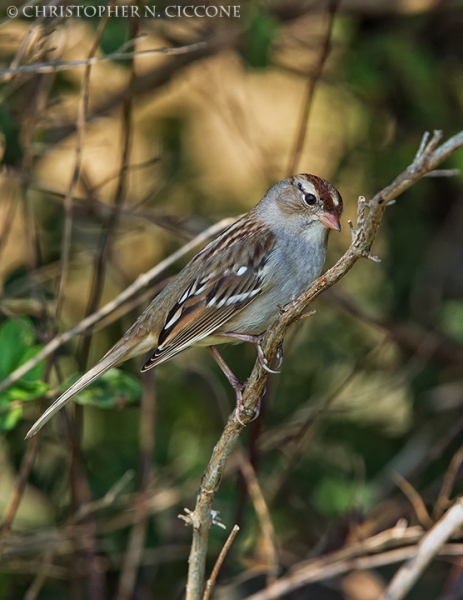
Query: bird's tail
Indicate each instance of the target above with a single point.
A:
(112, 358)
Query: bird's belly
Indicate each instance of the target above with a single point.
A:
(290, 278)
(258, 315)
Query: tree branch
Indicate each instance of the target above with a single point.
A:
(428, 547)
(369, 216)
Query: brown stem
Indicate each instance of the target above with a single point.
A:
(134, 551)
(79, 484)
(314, 77)
(369, 216)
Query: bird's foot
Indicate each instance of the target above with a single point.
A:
(240, 407)
(256, 341)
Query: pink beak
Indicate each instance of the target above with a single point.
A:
(331, 220)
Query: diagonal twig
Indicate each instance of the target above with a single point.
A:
(263, 515)
(215, 571)
(428, 547)
(369, 216)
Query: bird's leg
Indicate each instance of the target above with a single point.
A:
(236, 384)
(255, 340)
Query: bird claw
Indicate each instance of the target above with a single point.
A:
(238, 418)
(254, 417)
(268, 369)
(239, 407)
(263, 360)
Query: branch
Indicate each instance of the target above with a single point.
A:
(369, 216)
(58, 65)
(428, 547)
(314, 77)
(327, 570)
(215, 571)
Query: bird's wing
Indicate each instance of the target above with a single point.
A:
(230, 277)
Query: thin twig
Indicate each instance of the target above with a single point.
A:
(80, 132)
(421, 343)
(215, 571)
(26, 466)
(103, 502)
(134, 551)
(41, 576)
(100, 262)
(8, 221)
(58, 65)
(81, 494)
(301, 438)
(427, 549)
(415, 500)
(314, 77)
(442, 501)
(263, 515)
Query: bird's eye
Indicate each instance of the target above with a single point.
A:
(310, 199)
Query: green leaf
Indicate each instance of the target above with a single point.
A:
(9, 419)
(38, 371)
(16, 337)
(114, 388)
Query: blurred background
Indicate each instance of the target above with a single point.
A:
(106, 172)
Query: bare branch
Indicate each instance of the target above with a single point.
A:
(369, 216)
(328, 570)
(443, 502)
(270, 550)
(415, 500)
(428, 547)
(223, 553)
(58, 65)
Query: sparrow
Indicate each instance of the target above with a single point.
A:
(233, 289)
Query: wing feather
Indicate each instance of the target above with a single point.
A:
(230, 278)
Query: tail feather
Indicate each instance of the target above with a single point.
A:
(107, 362)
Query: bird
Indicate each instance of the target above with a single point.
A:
(234, 288)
